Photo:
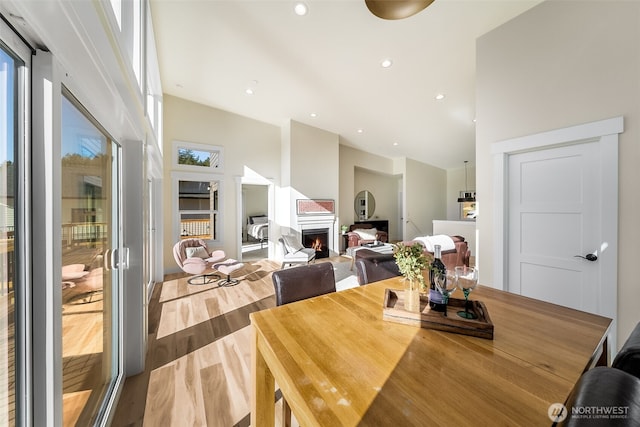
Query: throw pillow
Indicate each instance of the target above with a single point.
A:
(292, 244)
(197, 252)
(366, 233)
(260, 219)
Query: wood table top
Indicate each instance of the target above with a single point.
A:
(338, 362)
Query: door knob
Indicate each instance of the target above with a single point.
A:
(588, 257)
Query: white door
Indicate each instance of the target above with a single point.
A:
(554, 198)
(556, 204)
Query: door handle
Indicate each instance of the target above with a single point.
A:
(588, 257)
(120, 259)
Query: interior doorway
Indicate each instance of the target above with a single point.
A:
(255, 196)
(255, 225)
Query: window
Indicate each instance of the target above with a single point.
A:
(197, 157)
(198, 206)
(154, 85)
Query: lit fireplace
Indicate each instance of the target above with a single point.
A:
(317, 239)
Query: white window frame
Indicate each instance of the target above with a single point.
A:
(176, 145)
(176, 177)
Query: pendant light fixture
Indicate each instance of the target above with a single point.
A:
(468, 196)
(396, 9)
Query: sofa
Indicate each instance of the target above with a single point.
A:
(361, 234)
(453, 257)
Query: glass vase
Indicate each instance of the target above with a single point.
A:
(412, 295)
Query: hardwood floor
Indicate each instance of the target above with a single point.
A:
(198, 360)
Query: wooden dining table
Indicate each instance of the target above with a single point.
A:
(337, 362)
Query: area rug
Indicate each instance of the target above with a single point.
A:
(345, 278)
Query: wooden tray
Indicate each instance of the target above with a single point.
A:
(481, 327)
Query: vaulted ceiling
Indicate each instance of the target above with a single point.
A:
(325, 68)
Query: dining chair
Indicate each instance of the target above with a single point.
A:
(605, 388)
(628, 358)
(302, 282)
(298, 283)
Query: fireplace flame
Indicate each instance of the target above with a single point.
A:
(317, 245)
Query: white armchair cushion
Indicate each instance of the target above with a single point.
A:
(292, 243)
(446, 242)
(196, 252)
(304, 254)
(366, 233)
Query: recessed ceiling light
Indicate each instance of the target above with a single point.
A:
(395, 144)
(386, 63)
(313, 115)
(440, 96)
(360, 130)
(249, 91)
(300, 9)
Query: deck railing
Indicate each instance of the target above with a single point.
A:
(195, 228)
(74, 234)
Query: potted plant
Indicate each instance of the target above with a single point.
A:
(411, 261)
(344, 229)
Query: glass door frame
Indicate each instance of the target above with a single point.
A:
(16, 47)
(49, 79)
(116, 260)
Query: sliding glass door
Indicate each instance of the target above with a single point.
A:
(91, 276)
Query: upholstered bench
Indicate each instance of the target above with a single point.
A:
(226, 268)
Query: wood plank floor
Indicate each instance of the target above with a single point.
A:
(198, 360)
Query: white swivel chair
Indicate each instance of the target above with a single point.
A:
(294, 252)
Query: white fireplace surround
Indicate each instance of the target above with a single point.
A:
(310, 222)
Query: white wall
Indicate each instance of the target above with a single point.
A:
(562, 64)
(310, 157)
(246, 142)
(350, 160)
(384, 189)
(425, 198)
(423, 188)
(314, 161)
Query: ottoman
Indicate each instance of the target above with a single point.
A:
(226, 268)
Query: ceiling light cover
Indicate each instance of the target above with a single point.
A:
(300, 9)
(386, 63)
(440, 96)
(396, 9)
